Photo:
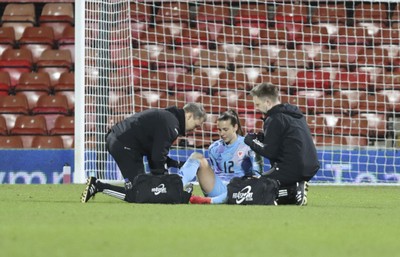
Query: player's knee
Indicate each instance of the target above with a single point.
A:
(197, 156)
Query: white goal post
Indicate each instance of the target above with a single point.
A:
(339, 61)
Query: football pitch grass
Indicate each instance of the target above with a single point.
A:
(49, 220)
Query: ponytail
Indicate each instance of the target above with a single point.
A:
(234, 118)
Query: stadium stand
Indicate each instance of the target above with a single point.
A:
(350, 53)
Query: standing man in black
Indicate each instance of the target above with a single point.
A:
(149, 133)
(286, 142)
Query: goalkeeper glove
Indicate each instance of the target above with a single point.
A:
(248, 139)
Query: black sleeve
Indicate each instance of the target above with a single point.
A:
(162, 143)
(269, 148)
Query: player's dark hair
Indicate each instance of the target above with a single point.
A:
(233, 117)
(266, 90)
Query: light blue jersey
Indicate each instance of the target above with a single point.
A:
(227, 161)
(234, 160)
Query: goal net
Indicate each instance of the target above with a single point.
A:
(338, 61)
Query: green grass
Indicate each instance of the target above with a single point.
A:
(49, 220)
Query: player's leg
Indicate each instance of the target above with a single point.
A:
(130, 163)
(188, 171)
(292, 190)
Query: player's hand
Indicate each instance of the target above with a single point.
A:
(248, 139)
(260, 136)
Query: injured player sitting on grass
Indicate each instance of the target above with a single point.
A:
(228, 157)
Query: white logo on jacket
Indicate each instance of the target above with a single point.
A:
(160, 189)
(243, 195)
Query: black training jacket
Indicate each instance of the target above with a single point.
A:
(288, 142)
(152, 132)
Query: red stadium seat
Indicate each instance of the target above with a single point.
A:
(29, 125)
(33, 81)
(3, 126)
(149, 99)
(231, 80)
(254, 14)
(55, 62)
(141, 12)
(351, 80)
(289, 12)
(192, 37)
(190, 82)
(7, 38)
(51, 107)
(67, 41)
(292, 58)
(173, 12)
(7, 142)
(14, 104)
(64, 125)
(19, 12)
(313, 80)
(16, 62)
(152, 80)
(37, 40)
(66, 82)
(48, 104)
(332, 104)
(58, 16)
(5, 83)
(19, 16)
(258, 57)
(313, 34)
(330, 12)
(211, 58)
(47, 142)
(337, 140)
(234, 35)
(211, 73)
(341, 57)
(279, 77)
(251, 123)
(388, 80)
(375, 56)
(387, 36)
(352, 36)
(367, 124)
(373, 103)
(298, 100)
(371, 12)
(352, 97)
(317, 124)
(272, 36)
(213, 13)
(392, 99)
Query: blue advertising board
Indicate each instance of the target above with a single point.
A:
(35, 166)
(380, 166)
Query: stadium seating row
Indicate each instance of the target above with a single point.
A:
(256, 12)
(37, 40)
(18, 61)
(37, 142)
(36, 81)
(20, 16)
(290, 80)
